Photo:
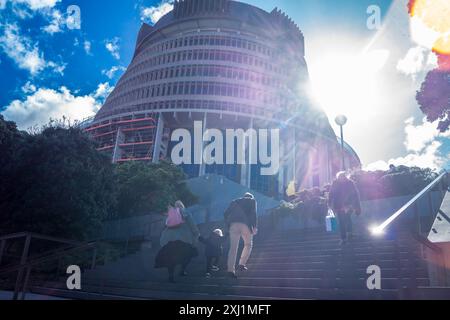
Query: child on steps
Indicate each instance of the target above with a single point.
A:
(214, 250)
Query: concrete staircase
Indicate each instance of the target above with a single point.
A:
(289, 265)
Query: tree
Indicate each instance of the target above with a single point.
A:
(434, 98)
(10, 139)
(399, 181)
(149, 188)
(58, 185)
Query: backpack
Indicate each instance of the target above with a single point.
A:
(174, 218)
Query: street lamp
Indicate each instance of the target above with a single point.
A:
(341, 121)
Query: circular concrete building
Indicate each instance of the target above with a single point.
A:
(223, 65)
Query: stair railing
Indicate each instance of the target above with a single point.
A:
(26, 263)
(419, 231)
(25, 255)
(21, 285)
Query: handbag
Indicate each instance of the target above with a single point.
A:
(331, 221)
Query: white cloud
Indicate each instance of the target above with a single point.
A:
(24, 52)
(29, 88)
(37, 4)
(57, 23)
(45, 104)
(21, 50)
(60, 21)
(113, 47)
(423, 143)
(153, 14)
(31, 4)
(87, 45)
(112, 72)
(103, 90)
(417, 60)
(27, 8)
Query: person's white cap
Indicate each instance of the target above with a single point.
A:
(218, 232)
(249, 195)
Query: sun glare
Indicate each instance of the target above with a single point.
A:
(431, 24)
(347, 83)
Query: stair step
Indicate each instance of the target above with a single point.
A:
(324, 266)
(334, 250)
(222, 281)
(389, 273)
(426, 293)
(194, 292)
(107, 293)
(334, 244)
(296, 258)
(283, 265)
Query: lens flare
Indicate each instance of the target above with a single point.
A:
(431, 23)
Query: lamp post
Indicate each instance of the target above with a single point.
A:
(341, 121)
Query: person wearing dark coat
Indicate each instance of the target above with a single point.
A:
(241, 220)
(344, 200)
(178, 245)
(213, 250)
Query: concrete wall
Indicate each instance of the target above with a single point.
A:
(142, 227)
(215, 196)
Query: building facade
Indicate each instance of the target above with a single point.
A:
(231, 66)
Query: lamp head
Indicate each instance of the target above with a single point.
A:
(341, 120)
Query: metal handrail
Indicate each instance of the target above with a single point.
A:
(45, 258)
(55, 255)
(379, 229)
(39, 237)
(22, 284)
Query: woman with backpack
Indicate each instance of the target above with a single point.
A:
(178, 241)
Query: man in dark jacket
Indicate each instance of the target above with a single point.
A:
(344, 201)
(241, 219)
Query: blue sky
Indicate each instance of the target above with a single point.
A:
(52, 66)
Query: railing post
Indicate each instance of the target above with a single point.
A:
(2, 249)
(23, 261)
(25, 284)
(431, 207)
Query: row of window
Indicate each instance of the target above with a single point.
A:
(132, 139)
(207, 40)
(200, 71)
(206, 54)
(224, 106)
(199, 88)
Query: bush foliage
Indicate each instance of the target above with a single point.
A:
(55, 182)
